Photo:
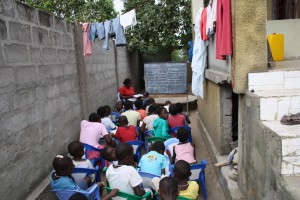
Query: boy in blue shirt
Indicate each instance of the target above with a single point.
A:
(154, 162)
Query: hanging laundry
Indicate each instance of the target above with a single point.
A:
(128, 19)
(223, 30)
(203, 22)
(113, 28)
(211, 18)
(87, 44)
(190, 51)
(199, 58)
(97, 28)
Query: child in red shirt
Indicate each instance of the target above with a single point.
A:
(174, 119)
(125, 133)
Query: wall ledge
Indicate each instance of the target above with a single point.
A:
(217, 76)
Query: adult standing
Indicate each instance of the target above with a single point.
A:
(127, 91)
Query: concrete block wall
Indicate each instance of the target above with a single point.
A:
(40, 98)
(39, 107)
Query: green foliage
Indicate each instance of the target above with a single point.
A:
(161, 28)
(77, 10)
(179, 55)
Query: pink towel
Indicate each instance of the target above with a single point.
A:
(223, 32)
(87, 44)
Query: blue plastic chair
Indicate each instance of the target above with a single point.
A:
(173, 131)
(123, 195)
(139, 133)
(91, 148)
(88, 172)
(198, 174)
(114, 117)
(137, 147)
(91, 193)
(147, 134)
(169, 144)
(147, 178)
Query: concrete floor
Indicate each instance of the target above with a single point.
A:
(213, 186)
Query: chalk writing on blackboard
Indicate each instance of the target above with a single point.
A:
(165, 78)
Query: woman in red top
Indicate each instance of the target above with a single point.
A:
(124, 132)
(126, 91)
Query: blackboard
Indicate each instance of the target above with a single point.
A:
(165, 78)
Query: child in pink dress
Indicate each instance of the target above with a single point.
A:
(184, 150)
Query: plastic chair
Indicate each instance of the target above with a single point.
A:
(147, 178)
(91, 193)
(198, 174)
(173, 131)
(182, 198)
(137, 148)
(124, 195)
(91, 148)
(139, 133)
(151, 140)
(114, 117)
(82, 184)
(169, 144)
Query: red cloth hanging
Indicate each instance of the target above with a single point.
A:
(223, 30)
(203, 24)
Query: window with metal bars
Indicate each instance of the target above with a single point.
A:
(285, 9)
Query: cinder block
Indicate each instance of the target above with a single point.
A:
(287, 169)
(62, 55)
(7, 8)
(44, 75)
(284, 104)
(45, 19)
(40, 36)
(72, 56)
(266, 78)
(70, 27)
(15, 53)
(52, 91)
(57, 70)
(289, 146)
(292, 74)
(35, 55)
(294, 111)
(60, 24)
(19, 32)
(268, 108)
(49, 55)
(55, 38)
(26, 76)
(7, 77)
(292, 83)
(23, 98)
(41, 93)
(2, 63)
(4, 103)
(27, 13)
(33, 114)
(70, 69)
(67, 40)
(3, 30)
(295, 102)
(13, 122)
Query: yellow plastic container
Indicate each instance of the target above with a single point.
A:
(276, 42)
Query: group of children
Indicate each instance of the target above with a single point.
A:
(121, 173)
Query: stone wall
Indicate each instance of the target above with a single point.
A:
(41, 97)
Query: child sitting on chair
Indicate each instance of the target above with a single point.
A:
(154, 162)
(174, 119)
(160, 125)
(179, 107)
(124, 132)
(76, 150)
(119, 107)
(182, 172)
(104, 112)
(148, 121)
(108, 153)
(61, 178)
(124, 176)
(138, 104)
(184, 150)
(168, 189)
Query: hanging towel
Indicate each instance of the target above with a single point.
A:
(223, 32)
(113, 28)
(128, 19)
(199, 59)
(87, 44)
